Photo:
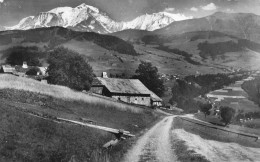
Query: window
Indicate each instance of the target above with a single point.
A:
(142, 99)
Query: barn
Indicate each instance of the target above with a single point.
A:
(127, 90)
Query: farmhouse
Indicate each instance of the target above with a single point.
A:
(126, 90)
(20, 70)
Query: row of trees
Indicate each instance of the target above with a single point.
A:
(32, 55)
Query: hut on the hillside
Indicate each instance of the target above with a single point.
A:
(7, 69)
(21, 70)
(127, 90)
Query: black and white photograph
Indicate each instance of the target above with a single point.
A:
(129, 80)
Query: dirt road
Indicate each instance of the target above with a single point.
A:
(155, 145)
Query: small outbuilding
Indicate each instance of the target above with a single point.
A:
(127, 90)
(7, 69)
(21, 70)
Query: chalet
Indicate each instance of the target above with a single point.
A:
(127, 90)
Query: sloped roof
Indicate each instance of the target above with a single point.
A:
(126, 86)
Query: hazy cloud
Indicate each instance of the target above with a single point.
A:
(178, 16)
(230, 10)
(194, 9)
(169, 9)
(1, 1)
(209, 7)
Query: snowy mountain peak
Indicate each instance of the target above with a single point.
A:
(150, 22)
(89, 18)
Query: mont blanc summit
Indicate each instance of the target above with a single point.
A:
(91, 19)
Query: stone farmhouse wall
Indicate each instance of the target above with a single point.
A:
(139, 100)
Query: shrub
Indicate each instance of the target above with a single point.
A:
(69, 69)
(33, 71)
(205, 108)
(149, 76)
(227, 114)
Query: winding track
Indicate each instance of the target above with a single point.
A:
(155, 145)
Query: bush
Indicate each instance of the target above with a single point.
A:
(227, 114)
(69, 69)
(33, 71)
(205, 108)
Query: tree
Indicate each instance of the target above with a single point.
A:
(68, 68)
(227, 114)
(33, 71)
(17, 55)
(205, 108)
(149, 76)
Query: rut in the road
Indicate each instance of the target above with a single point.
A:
(155, 145)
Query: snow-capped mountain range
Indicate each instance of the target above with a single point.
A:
(89, 18)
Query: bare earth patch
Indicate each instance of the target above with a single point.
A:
(155, 145)
(217, 151)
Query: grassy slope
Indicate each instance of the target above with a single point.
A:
(99, 49)
(213, 50)
(104, 60)
(100, 57)
(27, 138)
(60, 92)
(226, 52)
